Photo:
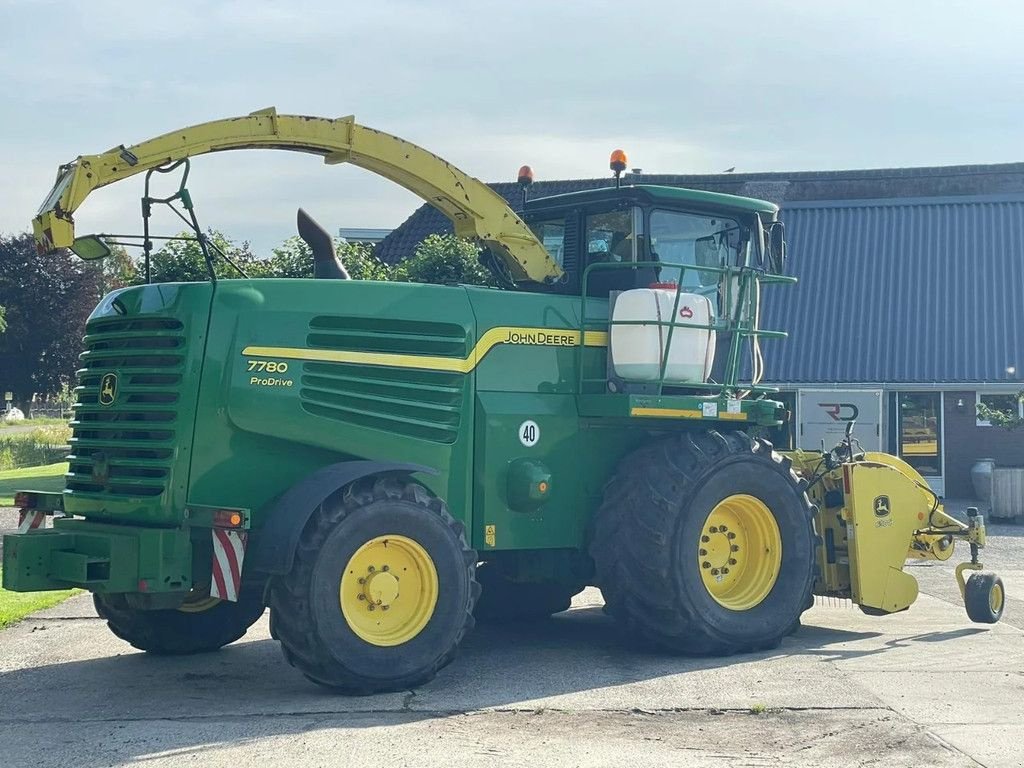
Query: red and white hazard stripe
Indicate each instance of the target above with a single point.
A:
(30, 519)
(228, 554)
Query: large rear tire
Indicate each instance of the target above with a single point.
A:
(506, 600)
(381, 591)
(200, 626)
(705, 545)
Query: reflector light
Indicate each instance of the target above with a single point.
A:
(227, 518)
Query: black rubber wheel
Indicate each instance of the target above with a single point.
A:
(175, 633)
(984, 598)
(505, 600)
(648, 534)
(306, 606)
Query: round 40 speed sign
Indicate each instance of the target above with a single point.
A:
(529, 433)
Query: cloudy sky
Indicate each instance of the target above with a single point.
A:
(762, 86)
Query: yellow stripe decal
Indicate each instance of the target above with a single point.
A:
(546, 337)
(733, 416)
(670, 413)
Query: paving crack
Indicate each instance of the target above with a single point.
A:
(405, 710)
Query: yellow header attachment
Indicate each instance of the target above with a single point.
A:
(476, 211)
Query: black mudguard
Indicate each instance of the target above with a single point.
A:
(286, 516)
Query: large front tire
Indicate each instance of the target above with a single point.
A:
(381, 592)
(200, 626)
(704, 544)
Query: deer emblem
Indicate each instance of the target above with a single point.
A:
(108, 389)
(882, 506)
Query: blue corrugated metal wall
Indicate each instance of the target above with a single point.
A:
(902, 291)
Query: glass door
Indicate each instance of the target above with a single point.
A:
(920, 434)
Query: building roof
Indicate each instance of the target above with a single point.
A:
(363, 234)
(913, 291)
(778, 188)
(907, 276)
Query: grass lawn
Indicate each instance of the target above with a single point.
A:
(40, 422)
(45, 478)
(15, 606)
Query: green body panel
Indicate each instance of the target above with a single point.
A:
(130, 458)
(101, 557)
(200, 397)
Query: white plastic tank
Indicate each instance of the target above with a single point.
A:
(637, 350)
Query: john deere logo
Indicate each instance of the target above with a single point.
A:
(882, 506)
(108, 389)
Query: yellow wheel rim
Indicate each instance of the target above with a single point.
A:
(995, 598)
(198, 600)
(740, 552)
(388, 591)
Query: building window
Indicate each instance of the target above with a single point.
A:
(920, 425)
(1007, 402)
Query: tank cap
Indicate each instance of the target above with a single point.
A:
(664, 286)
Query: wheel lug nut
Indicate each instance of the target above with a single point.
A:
(705, 539)
(734, 548)
(384, 607)
(725, 570)
(362, 580)
(371, 569)
(705, 564)
(385, 568)
(731, 535)
(361, 597)
(723, 529)
(732, 561)
(703, 552)
(372, 607)
(714, 571)
(713, 529)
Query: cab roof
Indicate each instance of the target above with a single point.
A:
(650, 193)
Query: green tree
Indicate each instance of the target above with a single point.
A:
(48, 299)
(293, 258)
(447, 260)
(998, 418)
(182, 261)
(118, 270)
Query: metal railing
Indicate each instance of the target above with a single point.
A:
(740, 324)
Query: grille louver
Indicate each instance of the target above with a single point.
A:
(417, 403)
(125, 450)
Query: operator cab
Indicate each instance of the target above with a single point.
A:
(648, 225)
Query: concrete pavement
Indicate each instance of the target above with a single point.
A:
(922, 688)
(845, 690)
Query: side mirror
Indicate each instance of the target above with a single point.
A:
(90, 248)
(777, 247)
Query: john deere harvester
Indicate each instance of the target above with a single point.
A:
(380, 462)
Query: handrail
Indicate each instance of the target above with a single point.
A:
(738, 326)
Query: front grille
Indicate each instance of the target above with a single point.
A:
(124, 450)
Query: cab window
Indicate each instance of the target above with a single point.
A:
(610, 237)
(698, 241)
(551, 233)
